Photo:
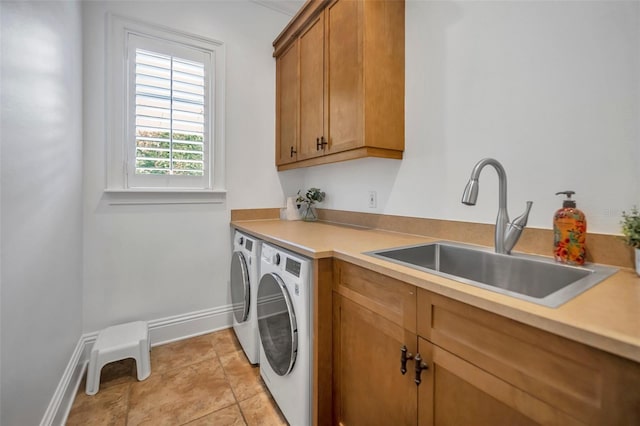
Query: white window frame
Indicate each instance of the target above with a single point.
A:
(123, 187)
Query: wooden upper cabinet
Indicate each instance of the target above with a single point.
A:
(311, 43)
(350, 81)
(287, 101)
(345, 72)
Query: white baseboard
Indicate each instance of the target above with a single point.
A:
(178, 327)
(64, 395)
(161, 331)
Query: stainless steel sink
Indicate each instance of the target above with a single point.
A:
(533, 278)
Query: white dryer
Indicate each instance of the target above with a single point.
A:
(284, 323)
(245, 267)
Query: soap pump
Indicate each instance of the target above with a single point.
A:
(569, 232)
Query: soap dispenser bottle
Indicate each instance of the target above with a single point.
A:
(569, 232)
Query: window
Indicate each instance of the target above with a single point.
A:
(165, 96)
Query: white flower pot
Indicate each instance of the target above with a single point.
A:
(638, 261)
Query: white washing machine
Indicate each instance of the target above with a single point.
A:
(245, 267)
(284, 323)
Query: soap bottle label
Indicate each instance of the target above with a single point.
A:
(569, 232)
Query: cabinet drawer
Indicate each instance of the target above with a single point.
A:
(587, 384)
(387, 297)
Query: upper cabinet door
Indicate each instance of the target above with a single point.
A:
(344, 69)
(287, 100)
(311, 89)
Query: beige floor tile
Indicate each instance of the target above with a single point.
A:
(244, 378)
(107, 407)
(261, 410)
(118, 372)
(180, 354)
(198, 380)
(180, 395)
(230, 416)
(224, 341)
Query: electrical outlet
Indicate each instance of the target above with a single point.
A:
(373, 200)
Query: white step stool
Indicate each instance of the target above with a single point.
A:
(130, 340)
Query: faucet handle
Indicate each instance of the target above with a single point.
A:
(514, 229)
(521, 221)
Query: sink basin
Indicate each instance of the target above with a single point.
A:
(533, 278)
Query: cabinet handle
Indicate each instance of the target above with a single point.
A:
(404, 356)
(420, 365)
(293, 151)
(320, 143)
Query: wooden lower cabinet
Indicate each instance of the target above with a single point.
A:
(455, 392)
(527, 371)
(373, 317)
(370, 388)
(482, 368)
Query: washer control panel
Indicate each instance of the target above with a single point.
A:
(246, 243)
(285, 263)
(293, 267)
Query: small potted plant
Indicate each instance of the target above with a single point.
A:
(306, 202)
(631, 231)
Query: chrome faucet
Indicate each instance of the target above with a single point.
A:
(507, 233)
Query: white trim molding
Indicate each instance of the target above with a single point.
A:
(65, 393)
(161, 331)
(184, 326)
(121, 33)
(160, 197)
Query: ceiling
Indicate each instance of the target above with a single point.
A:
(288, 7)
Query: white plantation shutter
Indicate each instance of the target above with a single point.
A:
(169, 127)
(169, 115)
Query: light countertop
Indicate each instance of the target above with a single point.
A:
(606, 316)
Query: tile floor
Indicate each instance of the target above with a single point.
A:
(205, 380)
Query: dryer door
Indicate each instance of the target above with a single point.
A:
(240, 287)
(277, 324)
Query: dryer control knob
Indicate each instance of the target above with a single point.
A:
(276, 258)
(241, 240)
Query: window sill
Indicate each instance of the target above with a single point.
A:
(164, 196)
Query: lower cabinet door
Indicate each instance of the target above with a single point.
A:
(369, 388)
(456, 392)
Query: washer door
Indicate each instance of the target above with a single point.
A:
(240, 287)
(277, 324)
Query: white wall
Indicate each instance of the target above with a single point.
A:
(550, 89)
(150, 262)
(41, 225)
